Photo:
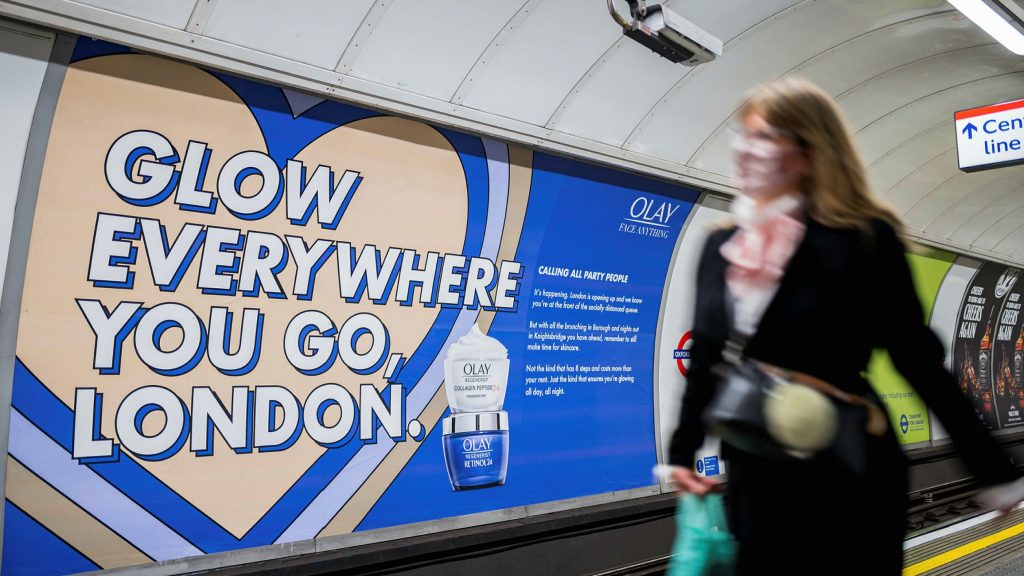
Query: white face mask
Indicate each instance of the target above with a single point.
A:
(760, 166)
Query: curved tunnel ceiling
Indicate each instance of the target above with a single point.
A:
(560, 72)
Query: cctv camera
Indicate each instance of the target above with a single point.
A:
(668, 34)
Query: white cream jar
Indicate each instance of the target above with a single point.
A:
(476, 373)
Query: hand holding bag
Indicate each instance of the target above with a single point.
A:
(703, 545)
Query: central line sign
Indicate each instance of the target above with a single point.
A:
(990, 136)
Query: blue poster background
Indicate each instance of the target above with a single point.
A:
(596, 438)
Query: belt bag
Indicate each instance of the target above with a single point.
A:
(770, 412)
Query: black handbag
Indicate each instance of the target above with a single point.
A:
(736, 413)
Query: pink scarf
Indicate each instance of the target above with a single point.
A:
(760, 250)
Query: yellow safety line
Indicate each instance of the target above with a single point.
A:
(964, 550)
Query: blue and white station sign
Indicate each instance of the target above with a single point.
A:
(990, 136)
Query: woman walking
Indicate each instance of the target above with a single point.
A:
(812, 274)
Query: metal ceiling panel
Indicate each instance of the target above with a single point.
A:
(990, 224)
(861, 59)
(622, 87)
(615, 94)
(435, 57)
(764, 53)
(172, 13)
(313, 32)
(888, 170)
(897, 88)
(970, 193)
(540, 62)
(1013, 244)
(912, 189)
(901, 125)
(864, 57)
(944, 208)
(1000, 229)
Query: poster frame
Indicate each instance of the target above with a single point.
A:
(21, 232)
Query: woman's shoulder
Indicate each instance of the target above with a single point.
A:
(848, 248)
(876, 233)
(886, 232)
(884, 238)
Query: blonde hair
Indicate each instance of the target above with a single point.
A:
(836, 189)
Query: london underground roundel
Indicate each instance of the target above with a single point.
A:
(682, 351)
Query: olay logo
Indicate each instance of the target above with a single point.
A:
(470, 369)
(478, 444)
(652, 211)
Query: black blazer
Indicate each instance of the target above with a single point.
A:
(843, 294)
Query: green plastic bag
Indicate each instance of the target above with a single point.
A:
(703, 545)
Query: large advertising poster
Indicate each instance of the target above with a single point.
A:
(972, 348)
(988, 348)
(1008, 354)
(252, 316)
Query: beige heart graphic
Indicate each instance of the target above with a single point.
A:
(421, 205)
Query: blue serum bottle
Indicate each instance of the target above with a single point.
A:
(476, 449)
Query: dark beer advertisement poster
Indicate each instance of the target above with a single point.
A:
(1008, 350)
(972, 350)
